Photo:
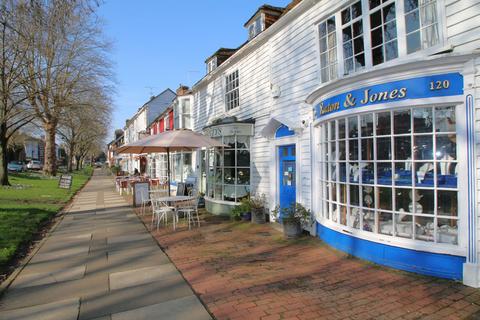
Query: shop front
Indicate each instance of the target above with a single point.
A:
(395, 168)
(227, 169)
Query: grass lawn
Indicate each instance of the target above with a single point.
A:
(25, 206)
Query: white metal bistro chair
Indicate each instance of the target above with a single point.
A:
(189, 208)
(160, 209)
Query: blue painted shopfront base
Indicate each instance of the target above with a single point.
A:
(431, 264)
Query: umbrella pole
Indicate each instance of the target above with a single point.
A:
(168, 170)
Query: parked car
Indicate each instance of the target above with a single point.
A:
(98, 164)
(15, 166)
(34, 165)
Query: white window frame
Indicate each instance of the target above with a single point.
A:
(458, 249)
(211, 64)
(235, 101)
(258, 22)
(401, 38)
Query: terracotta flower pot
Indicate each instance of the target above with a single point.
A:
(258, 215)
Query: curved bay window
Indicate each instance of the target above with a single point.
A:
(229, 169)
(393, 173)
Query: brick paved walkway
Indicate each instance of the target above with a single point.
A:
(242, 271)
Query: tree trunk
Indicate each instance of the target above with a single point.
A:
(70, 158)
(3, 158)
(50, 166)
(77, 163)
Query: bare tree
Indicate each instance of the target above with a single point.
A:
(14, 109)
(84, 125)
(66, 53)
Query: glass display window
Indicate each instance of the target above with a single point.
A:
(392, 173)
(229, 169)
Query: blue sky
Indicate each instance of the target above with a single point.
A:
(162, 43)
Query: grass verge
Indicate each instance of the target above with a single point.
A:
(29, 204)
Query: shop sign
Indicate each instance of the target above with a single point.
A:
(442, 85)
(229, 130)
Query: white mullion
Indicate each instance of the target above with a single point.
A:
(338, 31)
(401, 28)
(367, 39)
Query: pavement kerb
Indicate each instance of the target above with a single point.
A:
(59, 216)
(169, 259)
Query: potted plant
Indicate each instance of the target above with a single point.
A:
(257, 207)
(293, 218)
(241, 211)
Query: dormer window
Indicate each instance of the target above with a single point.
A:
(256, 27)
(211, 64)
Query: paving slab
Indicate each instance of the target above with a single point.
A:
(129, 298)
(64, 309)
(179, 309)
(130, 278)
(36, 279)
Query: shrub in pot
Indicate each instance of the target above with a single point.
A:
(257, 208)
(241, 210)
(293, 218)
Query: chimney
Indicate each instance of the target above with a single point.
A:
(183, 90)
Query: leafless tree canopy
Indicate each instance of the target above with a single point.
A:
(60, 60)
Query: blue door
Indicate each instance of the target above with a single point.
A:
(287, 176)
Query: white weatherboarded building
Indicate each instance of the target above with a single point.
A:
(365, 111)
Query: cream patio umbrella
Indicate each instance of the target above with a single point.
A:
(176, 140)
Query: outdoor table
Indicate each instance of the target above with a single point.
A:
(171, 200)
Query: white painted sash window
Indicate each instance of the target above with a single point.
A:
(328, 49)
(232, 98)
(368, 33)
(392, 173)
(352, 34)
(421, 24)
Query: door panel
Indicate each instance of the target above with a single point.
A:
(287, 178)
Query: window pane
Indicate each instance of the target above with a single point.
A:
(366, 122)
(412, 21)
(347, 34)
(424, 174)
(445, 119)
(410, 5)
(341, 129)
(368, 197)
(243, 176)
(346, 15)
(356, 10)
(354, 195)
(229, 158)
(354, 172)
(243, 142)
(403, 173)
(401, 122)
(367, 149)
(402, 199)
(447, 174)
(403, 225)
(348, 49)
(355, 218)
(390, 31)
(352, 127)
(353, 149)
(447, 231)
(403, 148)
(383, 123)
(384, 173)
(391, 50)
(357, 28)
(229, 175)
(446, 147)
(358, 45)
(384, 151)
(424, 228)
(375, 19)
(367, 173)
(389, 12)
(385, 223)
(368, 220)
(413, 42)
(422, 120)
(243, 158)
(322, 29)
(377, 55)
(384, 198)
(423, 147)
(424, 201)
(377, 37)
(447, 203)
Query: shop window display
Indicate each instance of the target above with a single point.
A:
(229, 169)
(393, 173)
